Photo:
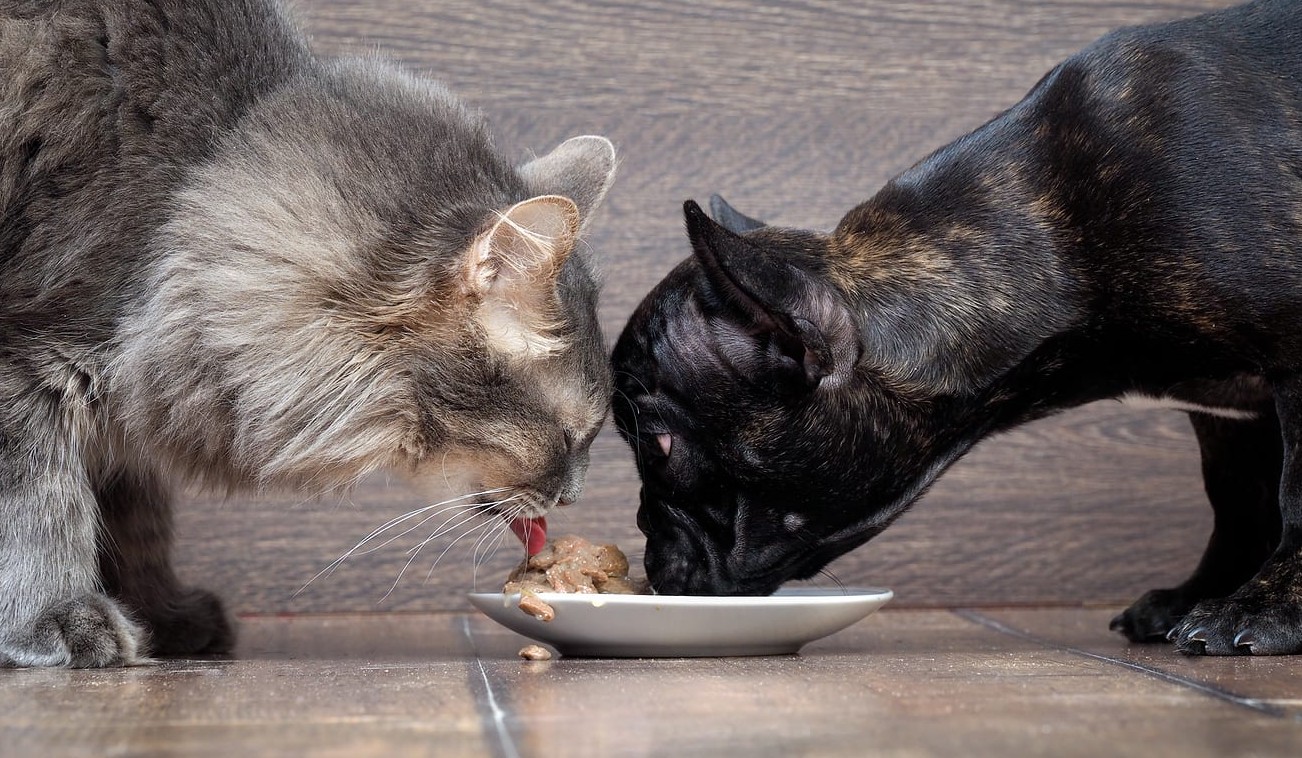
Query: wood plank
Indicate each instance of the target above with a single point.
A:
(795, 111)
(1269, 682)
(899, 683)
(907, 683)
(387, 685)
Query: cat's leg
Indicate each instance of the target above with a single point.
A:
(52, 610)
(1264, 615)
(1241, 463)
(135, 562)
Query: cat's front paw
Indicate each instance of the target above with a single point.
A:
(1152, 617)
(193, 622)
(1252, 621)
(89, 631)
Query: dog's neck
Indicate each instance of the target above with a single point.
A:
(957, 270)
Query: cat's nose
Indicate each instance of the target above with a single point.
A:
(573, 484)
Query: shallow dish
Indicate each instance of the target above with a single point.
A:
(677, 626)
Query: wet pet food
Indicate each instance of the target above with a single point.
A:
(574, 565)
(535, 653)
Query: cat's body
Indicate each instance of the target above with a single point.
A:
(226, 260)
(1132, 227)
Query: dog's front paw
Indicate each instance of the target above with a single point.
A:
(192, 622)
(89, 631)
(1152, 617)
(1252, 621)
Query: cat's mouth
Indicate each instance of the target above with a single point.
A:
(532, 531)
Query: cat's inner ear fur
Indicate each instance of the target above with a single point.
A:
(512, 268)
(794, 319)
(580, 168)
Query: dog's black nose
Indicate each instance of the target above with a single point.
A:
(674, 566)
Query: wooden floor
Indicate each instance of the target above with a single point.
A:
(903, 682)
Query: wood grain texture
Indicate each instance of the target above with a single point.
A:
(900, 683)
(795, 111)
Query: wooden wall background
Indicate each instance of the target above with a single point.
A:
(795, 111)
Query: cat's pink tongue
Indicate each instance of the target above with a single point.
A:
(532, 532)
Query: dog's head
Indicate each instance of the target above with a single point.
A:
(766, 444)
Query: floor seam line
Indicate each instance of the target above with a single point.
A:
(1253, 704)
(498, 715)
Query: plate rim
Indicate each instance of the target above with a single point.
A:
(785, 596)
(849, 604)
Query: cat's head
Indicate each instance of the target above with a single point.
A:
(767, 445)
(359, 279)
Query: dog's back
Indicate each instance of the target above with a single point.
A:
(1174, 152)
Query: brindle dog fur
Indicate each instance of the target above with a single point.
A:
(1132, 226)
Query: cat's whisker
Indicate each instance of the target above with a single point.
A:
(453, 543)
(485, 548)
(645, 390)
(840, 585)
(637, 433)
(442, 507)
(443, 468)
(461, 519)
(451, 524)
(439, 508)
(456, 509)
(634, 377)
(415, 552)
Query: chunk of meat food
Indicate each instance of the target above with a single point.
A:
(535, 653)
(574, 565)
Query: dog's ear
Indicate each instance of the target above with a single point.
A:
(763, 294)
(732, 219)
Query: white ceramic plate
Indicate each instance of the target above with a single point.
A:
(676, 626)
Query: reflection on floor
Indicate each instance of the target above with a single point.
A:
(902, 682)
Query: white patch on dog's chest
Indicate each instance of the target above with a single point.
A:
(1136, 400)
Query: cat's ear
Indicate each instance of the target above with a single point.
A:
(511, 271)
(764, 295)
(580, 168)
(525, 246)
(732, 219)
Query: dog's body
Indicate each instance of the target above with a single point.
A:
(1133, 226)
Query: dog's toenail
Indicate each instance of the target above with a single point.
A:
(1198, 635)
(1246, 639)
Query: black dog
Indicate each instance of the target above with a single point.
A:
(1134, 225)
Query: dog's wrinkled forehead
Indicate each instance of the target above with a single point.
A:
(689, 352)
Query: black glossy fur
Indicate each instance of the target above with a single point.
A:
(1134, 225)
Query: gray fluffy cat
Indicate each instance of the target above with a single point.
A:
(225, 260)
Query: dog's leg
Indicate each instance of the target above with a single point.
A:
(135, 561)
(1241, 462)
(1263, 616)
